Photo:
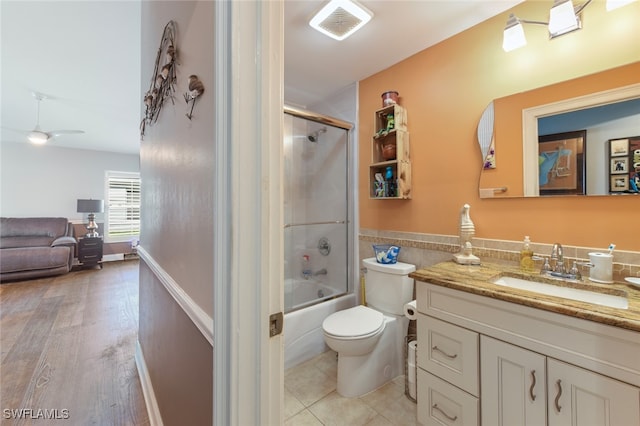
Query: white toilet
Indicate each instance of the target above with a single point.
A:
(369, 339)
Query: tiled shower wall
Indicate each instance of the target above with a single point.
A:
(424, 250)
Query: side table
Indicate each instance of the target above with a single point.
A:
(90, 251)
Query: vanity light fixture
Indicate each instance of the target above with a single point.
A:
(563, 18)
(614, 4)
(339, 19)
(514, 33)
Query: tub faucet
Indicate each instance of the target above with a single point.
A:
(322, 271)
(557, 258)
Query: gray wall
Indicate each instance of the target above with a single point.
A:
(177, 167)
(47, 180)
(177, 153)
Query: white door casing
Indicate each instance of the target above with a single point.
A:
(248, 271)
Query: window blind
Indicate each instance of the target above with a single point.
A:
(123, 205)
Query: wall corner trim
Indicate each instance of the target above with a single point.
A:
(202, 321)
(155, 418)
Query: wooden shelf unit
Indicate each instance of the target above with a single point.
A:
(401, 163)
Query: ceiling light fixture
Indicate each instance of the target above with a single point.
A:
(339, 19)
(37, 137)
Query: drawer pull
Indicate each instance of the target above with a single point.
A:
(557, 401)
(437, 349)
(533, 385)
(435, 407)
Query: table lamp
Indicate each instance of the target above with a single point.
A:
(92, 207)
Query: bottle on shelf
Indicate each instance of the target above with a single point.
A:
(526, 255)
(390, 183)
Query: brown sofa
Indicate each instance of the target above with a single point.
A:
(35, 247)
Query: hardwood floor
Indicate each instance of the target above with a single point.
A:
(67, 349)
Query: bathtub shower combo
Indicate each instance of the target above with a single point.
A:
(318, 230)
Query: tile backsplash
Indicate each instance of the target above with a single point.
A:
(424, 250)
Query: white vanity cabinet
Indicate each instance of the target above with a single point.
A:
(522, 387)
(514, 390)
(483, 361)
(581, 397)
(448, 377)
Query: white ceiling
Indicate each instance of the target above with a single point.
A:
(316, 66)
(85, 55)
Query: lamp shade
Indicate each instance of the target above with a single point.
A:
(90, 206)
(562, 17)
(513, 36)
(614, 4)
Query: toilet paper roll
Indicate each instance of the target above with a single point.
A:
(411, 352)
(410, 310)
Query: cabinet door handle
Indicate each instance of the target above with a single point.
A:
(533, 385)
(435, 407)
(557, 400)
(437, 349)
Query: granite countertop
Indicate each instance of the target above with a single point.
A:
(477, 279)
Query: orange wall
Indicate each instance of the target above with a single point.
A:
(446, 87)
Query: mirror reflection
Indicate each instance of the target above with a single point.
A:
(619, 120)
(605, 106)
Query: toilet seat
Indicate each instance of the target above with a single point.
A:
(358, 322)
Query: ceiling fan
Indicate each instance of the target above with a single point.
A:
(38, 136)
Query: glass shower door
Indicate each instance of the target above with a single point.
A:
(316, 215)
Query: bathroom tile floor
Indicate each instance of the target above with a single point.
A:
(310, 398)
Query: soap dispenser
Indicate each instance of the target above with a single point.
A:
(526, 255)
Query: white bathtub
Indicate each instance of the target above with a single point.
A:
(303, 337)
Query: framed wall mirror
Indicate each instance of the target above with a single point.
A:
(606, 105)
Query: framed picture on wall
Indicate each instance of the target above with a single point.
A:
(619, 147)
(619, 165)
(624, 165)
(562, 159)
(619, 183)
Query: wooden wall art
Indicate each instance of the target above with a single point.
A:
(163, 80)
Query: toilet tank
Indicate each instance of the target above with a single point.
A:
(388, 286)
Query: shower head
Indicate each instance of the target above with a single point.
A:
(313, 137)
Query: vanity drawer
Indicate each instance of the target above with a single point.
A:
(440, 403)
(450, 352)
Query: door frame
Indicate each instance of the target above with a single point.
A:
(248, 242)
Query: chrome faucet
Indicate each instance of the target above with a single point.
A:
(322, 271)
(557, 258)
(556, 267)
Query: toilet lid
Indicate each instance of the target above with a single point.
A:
(353, 322)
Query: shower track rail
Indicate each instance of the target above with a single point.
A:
(330, 222)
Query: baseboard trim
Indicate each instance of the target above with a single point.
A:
(202, 321)
(113, 257)
(153, 411)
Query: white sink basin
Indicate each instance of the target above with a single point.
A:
(597, 298)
